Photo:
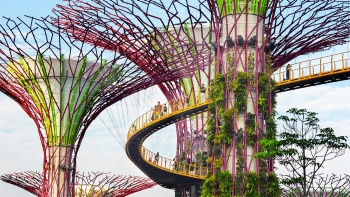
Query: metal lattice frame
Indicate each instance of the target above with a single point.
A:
(324, 185)
(63, 85)
(303, 27)
(168, 32)
(94, 184)
(284, 30)
(105, 19)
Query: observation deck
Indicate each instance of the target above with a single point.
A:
(167, 172)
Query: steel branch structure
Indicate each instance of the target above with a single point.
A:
(143, 26)
(63, 85)
(301, 27)
(94, 184)
(237, 50)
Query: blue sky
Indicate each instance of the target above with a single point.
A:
(21, 149)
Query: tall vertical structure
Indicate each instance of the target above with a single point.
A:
(63, 85)
(249, 39)
(240, 91)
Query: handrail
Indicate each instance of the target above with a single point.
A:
(157, 114)
(171, 165)
(174, 106)
(315, 67)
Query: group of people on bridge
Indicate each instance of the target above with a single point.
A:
(158, 111)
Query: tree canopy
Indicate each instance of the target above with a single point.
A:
(302, 147)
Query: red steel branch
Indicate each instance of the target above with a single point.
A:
(96, 184)
(35, 60)
(94, 22)
(293, 27)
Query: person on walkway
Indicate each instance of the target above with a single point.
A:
(159, 109)
(154, 112)
(156, 158)
(288, 70)
(165, 110)
(202, 92)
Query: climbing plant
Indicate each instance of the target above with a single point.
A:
(225, 180)
(239, 88)
(221, 130)
(250, 70)
(226, 129)
(252, 183)
(250, 129)
(239, 176)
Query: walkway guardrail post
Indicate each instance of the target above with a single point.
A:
(332, 64)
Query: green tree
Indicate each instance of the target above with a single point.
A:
(303, 148)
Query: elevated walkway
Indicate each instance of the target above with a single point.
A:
(313, 72)
(166, 172)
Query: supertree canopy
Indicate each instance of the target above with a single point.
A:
(305, 26)
(94, 184)
(63, 85)
(242, 43)
(179, 31)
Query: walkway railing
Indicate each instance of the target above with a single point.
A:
(326, 65)
(161, 112)
(172, 166)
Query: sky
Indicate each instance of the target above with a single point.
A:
(21, 149)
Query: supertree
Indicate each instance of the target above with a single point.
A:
(169, 33)
(63, 85)
(249, 40)
(94, 184)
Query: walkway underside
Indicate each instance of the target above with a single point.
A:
(164, 177)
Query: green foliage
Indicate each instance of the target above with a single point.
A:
(252, 183)
(188, 146)
(217, 90)
(298, 148)
(239, 88)
(271, 126)
(264, 90)
(250, 71)
(201, 158)
(221, 131)
(214, 185)
(211, 108)
(208, 160)
(274, 189)
(227, 129)
(250, 129)
(206, 188)
(225, 180)
(217, 164)
(239, 176)
(263, 179)
(230, 70)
